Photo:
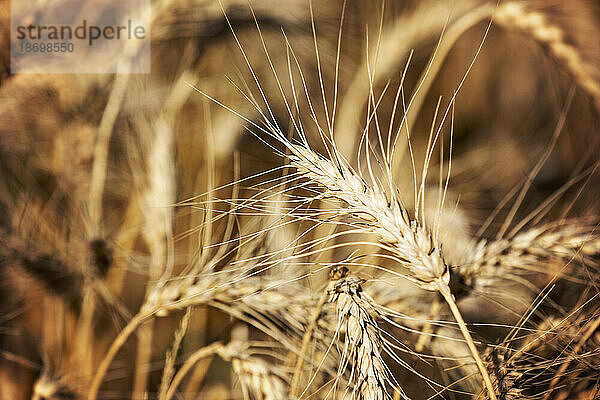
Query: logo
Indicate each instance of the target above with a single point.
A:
(80, 36)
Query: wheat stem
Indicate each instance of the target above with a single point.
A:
(112, 352)
(445, 292)
(189, 363)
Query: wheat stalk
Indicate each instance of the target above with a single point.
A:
(199, 354)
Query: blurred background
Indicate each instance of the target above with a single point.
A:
(97, 171)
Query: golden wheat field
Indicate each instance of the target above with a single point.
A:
(309, 199)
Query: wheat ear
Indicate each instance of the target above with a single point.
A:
(407, 239)
(363, 341)
(515, 15)
(532, 251)
(221, 291)
(257, 377)
(171, 357)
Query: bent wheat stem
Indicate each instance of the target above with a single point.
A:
(189, 363)
(112, 352)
